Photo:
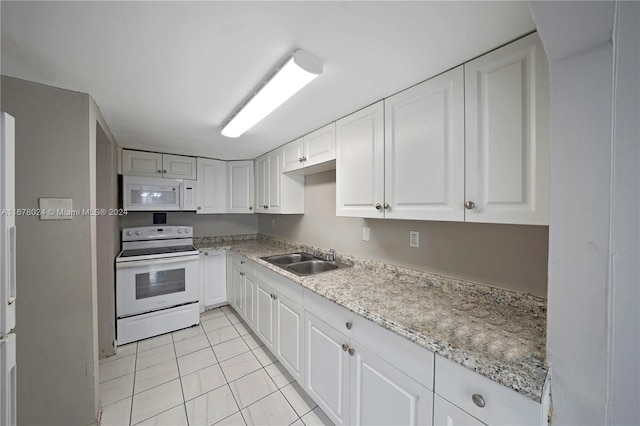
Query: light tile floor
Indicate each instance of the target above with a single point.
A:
(213, 373)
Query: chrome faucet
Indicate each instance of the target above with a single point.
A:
(331, 257)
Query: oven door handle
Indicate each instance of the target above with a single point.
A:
(155, 262)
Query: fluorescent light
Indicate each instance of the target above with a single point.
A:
(296, 73)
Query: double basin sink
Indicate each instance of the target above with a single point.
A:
(303, 264)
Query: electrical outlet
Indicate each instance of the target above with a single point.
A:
(414, 239)
(273, 223)
(366, 233)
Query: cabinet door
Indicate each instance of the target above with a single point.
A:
(424, 150)
(265, 314)
(178, 167)
(327, 368)
(237, 298)
(262, 184)
(289, 336)
(139, 163)
(212, 186)
(292, 156)
(447, 414)
(360, 163)
(275, 172)
(507, 135)
(320, 145)
(240, 183)
(250, 299)
(381, 394)
(215, 277)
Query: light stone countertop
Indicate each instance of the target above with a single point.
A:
(497, 333)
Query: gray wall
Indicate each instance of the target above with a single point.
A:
(55, 309)
(206, 225)
(506, 256)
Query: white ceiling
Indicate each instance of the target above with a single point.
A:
(166, 75)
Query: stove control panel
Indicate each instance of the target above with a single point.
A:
(146, 233)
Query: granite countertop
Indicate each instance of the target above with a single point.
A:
(497, 333)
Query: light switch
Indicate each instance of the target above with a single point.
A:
(366, 233)
(56, 208)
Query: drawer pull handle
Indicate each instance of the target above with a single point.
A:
(478, 400)
(348, 325)
(345, 347)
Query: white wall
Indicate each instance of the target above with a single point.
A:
(56, 346)
(507, 256)
(593, 235)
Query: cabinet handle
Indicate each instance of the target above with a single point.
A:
(206, 253)
(478, 400)
(345, 347)
(199, 208)
(349, 325)
(352, 351)
(242, 262)
(242, 274)
(378, 206)
(386, 206)
(250, 208)
(164, 171)
(304, 158)
(159, 171)
(470, 205)
(300, 159)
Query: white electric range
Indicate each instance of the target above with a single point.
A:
(157, 282)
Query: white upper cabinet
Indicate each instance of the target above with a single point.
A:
(507, 135)
(153, 164)
(360, 163)
(424, 150)
(178, 167)
(140, 163)
(312, 153)
(276, 192)
(240, 196)
(212, 186)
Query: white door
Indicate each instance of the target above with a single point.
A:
(178, 167)
(140, 163)
(292, 156)
(240, 187)
(447, 414)
(424, 150)
(382, 395)
(265, 314)
(289, 336)
(507, 135)
(360, 163)
(8, 372)
(212, 186)
(327, 368)
(7, 225)
(214, 277)
(274, 183)
(320, 145)
(262, 184)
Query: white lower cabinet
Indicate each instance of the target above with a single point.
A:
(213, 278)
(265, 314)
(327, 368)
(354, 386)
(289, 329)
(447, 414)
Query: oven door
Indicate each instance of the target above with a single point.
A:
(149, 285)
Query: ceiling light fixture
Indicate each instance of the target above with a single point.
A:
(297, 72)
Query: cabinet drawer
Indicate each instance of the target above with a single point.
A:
(447, 414)
(502, 406)
(244, 263)
(334, 315)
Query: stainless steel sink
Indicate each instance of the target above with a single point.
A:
(303, 264)
(286, 259)
(311, 267)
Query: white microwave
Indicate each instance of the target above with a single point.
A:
(144, 194)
